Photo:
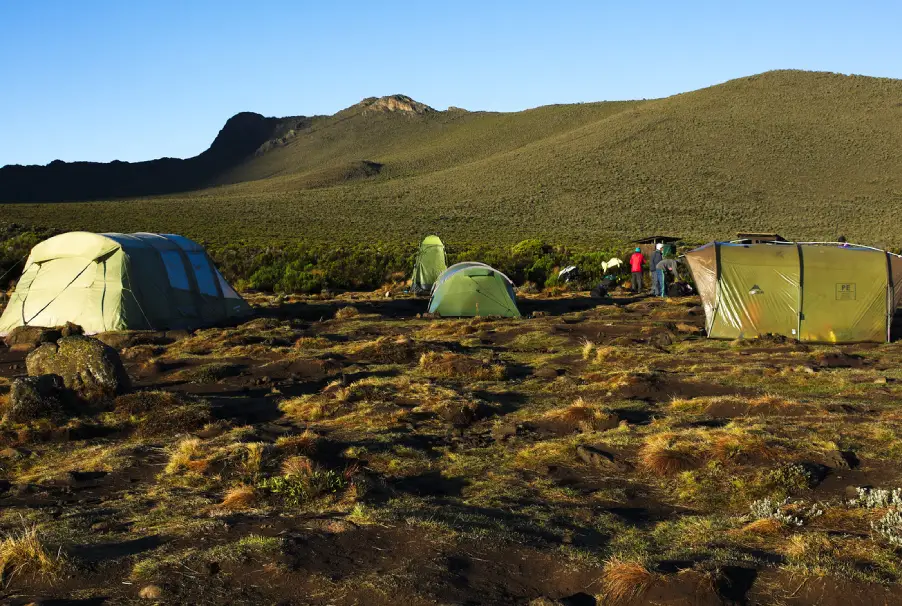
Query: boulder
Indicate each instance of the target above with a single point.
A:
(26, 338)
(662, 339)
(842, 459)
(69, 330)
(93, 370)
(35, 397)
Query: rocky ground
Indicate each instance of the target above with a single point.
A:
(344, 451)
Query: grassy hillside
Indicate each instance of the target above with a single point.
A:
(810, 155)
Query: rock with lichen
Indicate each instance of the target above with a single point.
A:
(88, 367)
(32, 398)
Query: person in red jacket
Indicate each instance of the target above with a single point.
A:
(636, 261)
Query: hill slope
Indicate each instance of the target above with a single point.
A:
(811, 155)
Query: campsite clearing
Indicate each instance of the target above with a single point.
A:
(343, 451)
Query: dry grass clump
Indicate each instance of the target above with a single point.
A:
(183, 454)
(312, 343)
(581, 416)
(688, 328)
(346, 313)
(239, 498)
(625, 580)
(310, 407)
(300, 443)
(161, 413)
(667, 454)
(606, 353)
(255, 457)
(623, 381)
(146, 401)
(24, 553)
(599, 354)
(736, 446)
(297, 466)
(458, 366)
(763, 527)
(385, 350)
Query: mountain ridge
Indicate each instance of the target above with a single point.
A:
(813, 154)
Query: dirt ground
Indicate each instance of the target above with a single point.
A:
(347, 452)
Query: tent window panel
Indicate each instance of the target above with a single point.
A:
(206, 283)
(227, 291)
(175, 269)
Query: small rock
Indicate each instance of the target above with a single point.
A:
(14, 454)
(151, 592)
(21, 490)
(35, 397)
(842, 459)
(84, 479)
(504, 431)
(26, 338)
(851, 492)
(661, 339)
(598, 458)
(177, 335)
(880, 381)
(71, 329)
(546, 372)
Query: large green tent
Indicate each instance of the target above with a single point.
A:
(809, 292)
(121, 282)
(473, 289)
(429, 265)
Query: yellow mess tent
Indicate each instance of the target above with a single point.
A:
(120, 282)
(809, 292)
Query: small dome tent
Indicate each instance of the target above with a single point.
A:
(429, 265)
(811, 292)
(473, 289)
(121, 282)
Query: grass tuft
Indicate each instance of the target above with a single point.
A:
(625, 580)
(25, 553)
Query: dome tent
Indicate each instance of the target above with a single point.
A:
(120, 282)
(473, 289)
(429, 265)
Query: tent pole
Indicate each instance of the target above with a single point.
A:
(890, 298)
(801, 292)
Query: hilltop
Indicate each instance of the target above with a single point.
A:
(808, 154)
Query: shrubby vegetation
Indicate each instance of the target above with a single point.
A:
(15, 243)
(310, 267)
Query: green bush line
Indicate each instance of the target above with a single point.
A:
(310, 267)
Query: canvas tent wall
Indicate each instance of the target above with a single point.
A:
(809, 292)
(473, 289)
(120, 282)
(429, 265)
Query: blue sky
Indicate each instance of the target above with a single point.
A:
(135, 80)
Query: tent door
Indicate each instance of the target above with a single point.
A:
(844, 294)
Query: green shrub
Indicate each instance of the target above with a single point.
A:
(296, 490)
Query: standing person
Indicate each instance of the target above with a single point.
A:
(657, 276)
(636, 261)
